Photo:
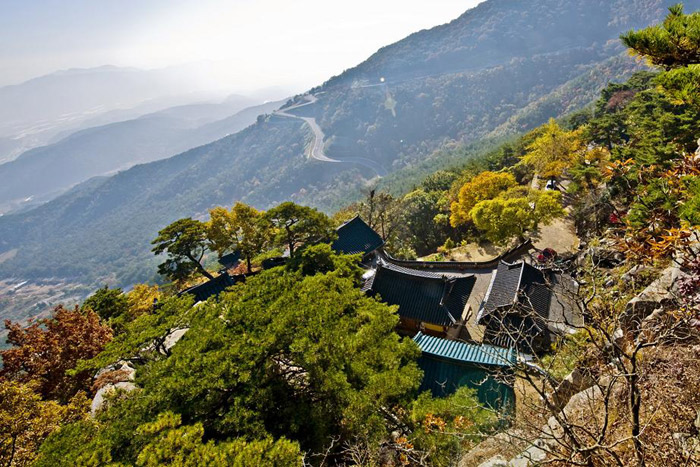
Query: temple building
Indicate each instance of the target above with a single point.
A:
(526, 307)
(448, 365)
(356, 237)
(428, 302)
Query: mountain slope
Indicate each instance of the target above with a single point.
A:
(43, 171)
(482, 79)
(496, 31)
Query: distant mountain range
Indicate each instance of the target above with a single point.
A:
(40, 173)
(45, 109)
(500, 68)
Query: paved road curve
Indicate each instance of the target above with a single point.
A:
(316, 151)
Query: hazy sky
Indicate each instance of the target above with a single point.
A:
(257, 43)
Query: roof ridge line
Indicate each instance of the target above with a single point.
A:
(520, 281)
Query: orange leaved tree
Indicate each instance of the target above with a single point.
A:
(47, 349)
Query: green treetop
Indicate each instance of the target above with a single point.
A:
(107, 303)
(295, 225)
(295, 353)
(675, 46)
(185, 241)
(674, 43)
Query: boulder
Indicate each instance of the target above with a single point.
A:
(689, 446)
(552, 432)
(99, 400)
(606, 257)
(496, 461)
(533, 455)
(633, 274)
(165, 344)
(661, 293)
(123, 367)
(173, 337)
(575, 382)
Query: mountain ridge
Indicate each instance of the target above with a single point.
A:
(40, 172)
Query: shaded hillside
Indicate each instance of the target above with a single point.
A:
(496, 31)
(91, 233)
(465, 78)
(41, 172)
(106, 225)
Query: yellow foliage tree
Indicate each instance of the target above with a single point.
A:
(485, 186)
(26, 420)
(554, 151)
(141, 299)
(243, 228)
(507, 217)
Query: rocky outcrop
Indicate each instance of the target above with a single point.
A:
(164, 344)
(660, 294)
(119, 376)
(575, 382)
(549, 435)
(689, 443)
(605, 256)
(99, 400)
(497, 461)
(122, 371)
(172, 338)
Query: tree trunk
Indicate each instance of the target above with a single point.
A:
(635, 404)
(248, 263)
(12, 452)
(201, 269)
(290, 242)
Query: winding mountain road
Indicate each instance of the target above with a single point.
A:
(316, 151)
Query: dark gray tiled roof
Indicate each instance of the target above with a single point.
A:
(422, 296)
(230, 260)
(356, 237)
(504, 286)
(536, 291)
(517, 282)
(211, 287)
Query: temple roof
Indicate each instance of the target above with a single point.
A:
(355, 236)
(464, 352)
(422, 296)
(230, 260)
(517, 283)
(211, 287)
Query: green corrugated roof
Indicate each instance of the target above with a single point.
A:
(448, 365)
(463, 352)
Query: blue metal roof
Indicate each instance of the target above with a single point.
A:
(466, 353)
